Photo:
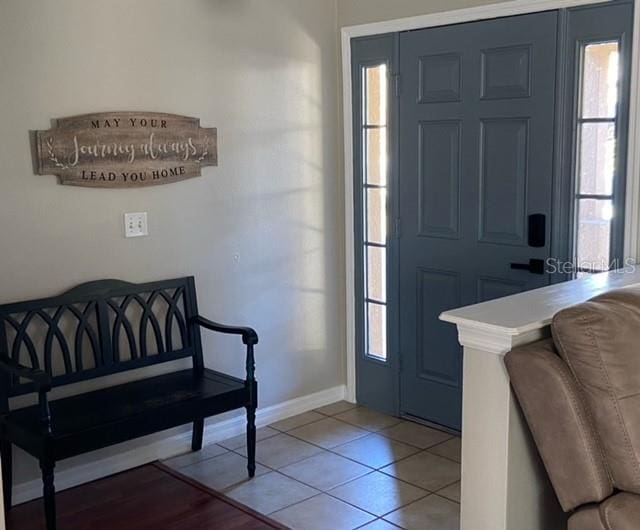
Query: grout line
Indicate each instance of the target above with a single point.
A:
(426, 494)
(446, 498)
(276, 432)
(332, 451)
(336, 498)
(294, 504)
(355, 406)
(441, 456)
(327, 492)
(205, 459)
(378, 519)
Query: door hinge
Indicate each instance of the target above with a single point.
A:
(396, 85)
(397, 228)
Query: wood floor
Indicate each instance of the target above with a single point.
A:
(151, 497)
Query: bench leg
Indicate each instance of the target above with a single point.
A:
(198, 432)
(49, 493)
(251, 441)
(7, 472)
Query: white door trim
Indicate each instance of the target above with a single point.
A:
(503, 9)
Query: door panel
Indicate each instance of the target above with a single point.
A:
(492, 288)
(439, 197)
(440, 78)
(506, 72)
(503, 180)
(476, 159)
(437, 290)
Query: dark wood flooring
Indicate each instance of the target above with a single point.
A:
(151, 497)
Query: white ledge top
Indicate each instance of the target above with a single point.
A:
(496, 325)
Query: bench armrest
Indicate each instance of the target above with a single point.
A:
(249, 335)
(40, 379)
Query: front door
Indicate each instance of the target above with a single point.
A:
(476, 148)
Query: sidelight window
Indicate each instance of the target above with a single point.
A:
(374, 132)
(595, 155)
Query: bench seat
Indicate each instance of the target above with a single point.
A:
(100, 418)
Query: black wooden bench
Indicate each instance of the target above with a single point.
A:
(99, 329)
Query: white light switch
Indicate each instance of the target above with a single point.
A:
(135, 224)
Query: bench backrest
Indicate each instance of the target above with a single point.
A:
(101, 328)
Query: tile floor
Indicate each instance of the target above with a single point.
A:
(340, 467)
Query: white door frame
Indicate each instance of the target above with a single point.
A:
(503, 9)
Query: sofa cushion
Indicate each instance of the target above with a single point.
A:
(600, 341)
(619, 512)
(586, 519)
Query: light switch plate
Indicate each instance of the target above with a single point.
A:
(135, 224)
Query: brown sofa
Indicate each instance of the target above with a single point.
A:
(580, 394)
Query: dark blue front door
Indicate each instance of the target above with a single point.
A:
(476, 148)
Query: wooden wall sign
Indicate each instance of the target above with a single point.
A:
(125, 149)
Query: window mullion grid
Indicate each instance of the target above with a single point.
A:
(370, 301)
(594, 196)
(597, 120)
(582, 198)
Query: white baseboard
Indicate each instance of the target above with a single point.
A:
(215, 431)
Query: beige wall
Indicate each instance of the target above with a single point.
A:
(262, 233)
(353, 12)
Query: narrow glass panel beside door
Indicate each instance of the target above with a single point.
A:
(597, 158)
(374, 190)
(596, 148)
(600, 80)
(377, 330)
(594, 233)
(375, 148)
(376, 273)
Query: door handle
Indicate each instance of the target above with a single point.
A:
(535, 266)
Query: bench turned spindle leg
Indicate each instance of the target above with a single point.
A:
(7, 473)
(198, 432)
(49, 494)
(251, 441)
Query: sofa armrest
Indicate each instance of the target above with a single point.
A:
(561, 425)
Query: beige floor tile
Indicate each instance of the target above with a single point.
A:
(297, 421)
(270, 492)
(282, 450)
(367, 419)
(208, 451)
(375, 450)
(322, 513)
(379, 524)
(449, 449)
(241, 440)
(336, 408)
(325, 470)
(425, 470)
(430, 513)
(328, 433)
(451, 492)
(378, 493)
(221, 471)
(414, 434)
